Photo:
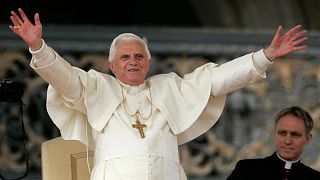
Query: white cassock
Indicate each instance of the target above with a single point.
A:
(89, 107)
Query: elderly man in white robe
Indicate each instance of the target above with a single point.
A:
(133, 124)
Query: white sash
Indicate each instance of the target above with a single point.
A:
(156, 143)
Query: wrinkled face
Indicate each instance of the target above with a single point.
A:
(131, 63)
(290, 137)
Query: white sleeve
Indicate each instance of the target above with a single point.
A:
(42, 57)
(57, 72)
(260, 61)
(238, 73)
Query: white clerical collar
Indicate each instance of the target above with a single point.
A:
(288, 164)
(133, 89)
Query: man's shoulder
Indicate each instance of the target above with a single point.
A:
(94, 76)
(257, 163)
(311, 171)
(96, 73)
(251, 162)
(163, 77)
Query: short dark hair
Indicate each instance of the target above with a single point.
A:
(299, 113)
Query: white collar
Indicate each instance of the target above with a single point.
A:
(133, 89)
(288, 164)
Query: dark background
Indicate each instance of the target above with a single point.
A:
(105, 12)
(248, 14)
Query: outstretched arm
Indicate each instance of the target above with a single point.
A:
(30, 33)
(283, 45)
(61, 75)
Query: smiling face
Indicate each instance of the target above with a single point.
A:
(131, 62)
(291, 137)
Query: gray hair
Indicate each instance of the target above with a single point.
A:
(126, 37)
(299, 113)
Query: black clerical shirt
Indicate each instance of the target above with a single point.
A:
(271, 168)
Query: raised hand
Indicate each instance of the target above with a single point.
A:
(30, 33)
(282, 45)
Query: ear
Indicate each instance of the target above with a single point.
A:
(309, 138)
(149, 63)
(110, 65)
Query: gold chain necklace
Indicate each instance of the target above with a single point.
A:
(138, 125)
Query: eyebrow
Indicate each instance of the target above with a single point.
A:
(291, 132)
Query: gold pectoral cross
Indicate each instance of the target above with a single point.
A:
(140, 127)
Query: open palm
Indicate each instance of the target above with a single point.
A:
(30, 33)
(282, 45)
